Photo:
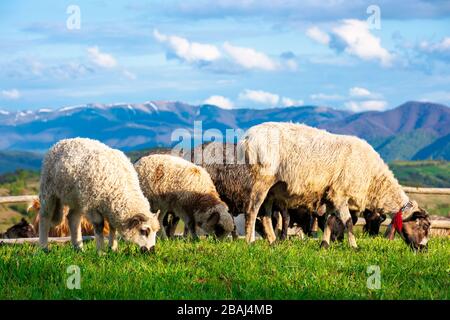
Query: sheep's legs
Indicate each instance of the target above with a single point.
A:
(173, 226)
(267, 222)
(314, 227)
(74, 218)
(326, 234)
(49, 212)
(234, 233)
(346, 218)
(44, 227)
(162, 231)
(112, 240)
(190, 224)
(285, 220)
(256, 199)
(98, 232)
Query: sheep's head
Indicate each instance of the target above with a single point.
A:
(374, 219)
(416, 228)
(217, 221)
(141, 229)
(20, 230)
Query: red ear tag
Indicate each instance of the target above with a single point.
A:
(397, 220)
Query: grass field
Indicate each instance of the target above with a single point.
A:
(180, 269)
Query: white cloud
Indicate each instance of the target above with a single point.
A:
(359, 41)
(288, 102)
(129, 75)
(442, 46)
(259, 96)
(101, 59)
(359, 106)
(318, 35)
(250, 58)
(326, 97)
(220, 101)
(359, 92)
(186, 50)
(12, 94)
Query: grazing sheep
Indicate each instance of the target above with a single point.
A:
(308, 165)
(20, 230)
(173, 184)
(62, 229)
(231, 178)
(220, 160)
(89, 177)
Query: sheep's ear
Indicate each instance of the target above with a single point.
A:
(135, 221)
(157, 214)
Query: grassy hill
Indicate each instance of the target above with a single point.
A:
(422, 173)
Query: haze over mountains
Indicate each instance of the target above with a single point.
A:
(414, 130)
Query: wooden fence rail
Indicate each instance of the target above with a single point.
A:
(17, 199)
(441, 191)
(413, 190)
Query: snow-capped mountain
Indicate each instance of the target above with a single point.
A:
(412, 130)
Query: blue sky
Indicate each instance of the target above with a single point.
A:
(234, 54)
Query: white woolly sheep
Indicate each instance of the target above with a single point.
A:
(304, 166)
(172, 184)
(89, 177)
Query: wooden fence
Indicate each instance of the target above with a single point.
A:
(435, 224)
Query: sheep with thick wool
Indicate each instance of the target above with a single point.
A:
(93, 179)
(175, 185)
(306, 166)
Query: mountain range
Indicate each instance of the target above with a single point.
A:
(412, 131)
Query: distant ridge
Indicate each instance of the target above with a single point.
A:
(414, 130)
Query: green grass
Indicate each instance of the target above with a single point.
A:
(207, 269)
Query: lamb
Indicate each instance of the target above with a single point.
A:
(93, 179)
(305, 165)
(175, 185)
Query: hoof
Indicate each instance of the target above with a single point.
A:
(45, 250)
(324, 245)
(78, 249)
(314, 235)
